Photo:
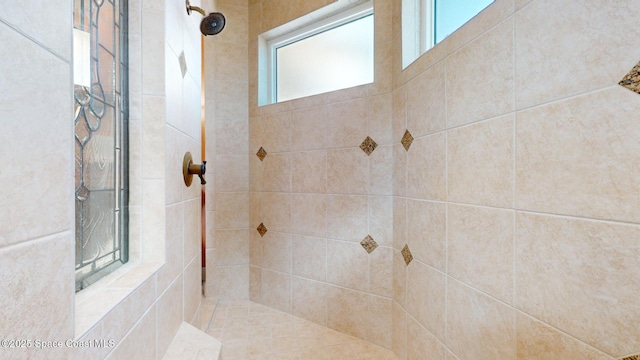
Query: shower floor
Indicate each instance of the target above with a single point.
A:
(250, 331)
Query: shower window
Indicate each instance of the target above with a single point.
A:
(100, 129)
(310, 56)
(428, 22)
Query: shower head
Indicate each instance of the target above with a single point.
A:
(212, 24)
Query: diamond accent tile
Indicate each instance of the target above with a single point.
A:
(407, 139)
(369, 244)
(262, 229)
(633, 357)
(406, 254)
(632, 82)
(368, 145)
(261, 153)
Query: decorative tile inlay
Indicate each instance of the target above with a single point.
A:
(632, 81)
(369, 244)
(261, 153)
(633, 357)
(368, 145)
(407, 139)
(406, 254)
(262, 229)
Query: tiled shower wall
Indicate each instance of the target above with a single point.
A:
(517, 197)
(227, 137)
(319, 194)
(142, 309)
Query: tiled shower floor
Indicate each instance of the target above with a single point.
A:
(252, 331)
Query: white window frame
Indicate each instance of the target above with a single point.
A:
(418, 28)
(297, 30)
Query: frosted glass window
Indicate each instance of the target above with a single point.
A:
(428, 22)
(335, 59)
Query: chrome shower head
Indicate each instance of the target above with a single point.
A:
(212, 24)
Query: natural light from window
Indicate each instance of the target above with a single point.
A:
(428, 22)
(335, 59)
(326, 50)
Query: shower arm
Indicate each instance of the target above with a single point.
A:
(194, 8)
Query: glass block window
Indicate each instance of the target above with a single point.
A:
(100, 128)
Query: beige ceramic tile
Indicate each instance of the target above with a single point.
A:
(153, 141)
(347, 217)
(584, 27)
(426, 168)
(399, 170)
(277, 172)
(309, 215)
(345, 311)
(46, 122)
(426, 232)
(379, 117)
(153, 59)
(276, 212)
(232, 210)
(277, 251)
(399, 223)
(379, 328)
(381, 219)
(399, 279)
(309, 257)
(519, 4)
(580, 156)
(399, 115)
(153, 213)
(302, 7)
(480, 163)
(309, 171)
(426, 293)
(192, 291)
(480, 249)
(255, 284)
(309, 300)
(347, 123)
(231, 173)
(22, 16)
(308, 128)
(274, 13)
(231, 133)
(347, 265)
(26, 308)
(420, 342)
(140, 343)
(537, 341)
(381, 271)
(232, 282)
(232, 247)
(585, 268)
(478, 327)
(480, 77)
(426, 105)
(381, 171)
(276, 290)
(276, 132)
(347, 171)
(237, 16)
(399, 331)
